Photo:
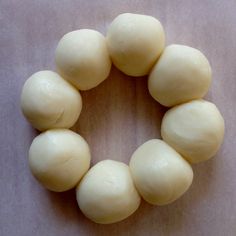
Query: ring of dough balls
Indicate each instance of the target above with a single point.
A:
(58, 159)
(159, 170)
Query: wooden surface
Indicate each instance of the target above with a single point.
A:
(117, 116)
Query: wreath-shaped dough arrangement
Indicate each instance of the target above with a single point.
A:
(159, 170)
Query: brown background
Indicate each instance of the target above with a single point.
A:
(117, 116)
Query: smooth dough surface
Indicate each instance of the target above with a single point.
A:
(135, 42)
(194, 129)
(181, 74)
(107, 194)
(58, 159)
(48, 101)
(82, 58)
(160, 174)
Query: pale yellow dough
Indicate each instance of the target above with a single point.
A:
(107, 194)
(160, 174)
(59, 158)
(82, 58)
(194, 129)
(48, 101)
(135, 42)
(181, 74)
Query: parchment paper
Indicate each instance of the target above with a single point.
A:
(117, 116)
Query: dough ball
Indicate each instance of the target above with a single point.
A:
(48, 101)
(58, 159)
(107, 194)
(160, 174)
(135, 42)
(82, 58)
(194, 129)
(181, 74)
